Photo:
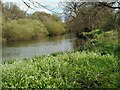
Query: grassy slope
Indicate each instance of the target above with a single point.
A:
(79, 69)
(67, 70)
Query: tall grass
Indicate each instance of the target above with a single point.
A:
(64, 70)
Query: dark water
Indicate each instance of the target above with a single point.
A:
(44, 46)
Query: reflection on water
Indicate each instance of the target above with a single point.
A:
(44, 46)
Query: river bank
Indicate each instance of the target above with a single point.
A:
(86, 68)
(63, 70)
(105, 42)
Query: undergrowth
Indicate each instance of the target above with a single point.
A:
(67, 70)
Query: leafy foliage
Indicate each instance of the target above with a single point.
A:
(20, 27)
(103, 42)
(54, 28)
(86, 68)
(68, 70)
(17, 30)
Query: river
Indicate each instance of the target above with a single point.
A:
(44, 46)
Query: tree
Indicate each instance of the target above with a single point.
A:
(86, 16)
(12, 11)
(71, 8)
(42, 16)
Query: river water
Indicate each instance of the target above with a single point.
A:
(44, 46)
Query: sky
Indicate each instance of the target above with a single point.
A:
(51, 4)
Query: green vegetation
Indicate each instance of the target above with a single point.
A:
(104, 42)
(77, 69)
(54, 28)
(20, 27)
(68, 70)
(19, 30)
(93, 65)
(80, 69)
(25, 29)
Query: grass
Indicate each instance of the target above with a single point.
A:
(103, 42)
(68, 70)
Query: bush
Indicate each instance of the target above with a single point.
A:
(54, 27)
(109, 25)
(24, 29)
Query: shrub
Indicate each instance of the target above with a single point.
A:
(23, 29)
(54, 27)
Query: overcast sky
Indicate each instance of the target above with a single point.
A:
(51, 4)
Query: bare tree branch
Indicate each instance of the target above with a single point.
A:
(28, 6)
(110, 5)
(35, 2)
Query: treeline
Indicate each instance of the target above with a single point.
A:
(88, 16)
(19, 26)
(80, 17)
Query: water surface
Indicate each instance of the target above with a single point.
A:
(44, 46)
